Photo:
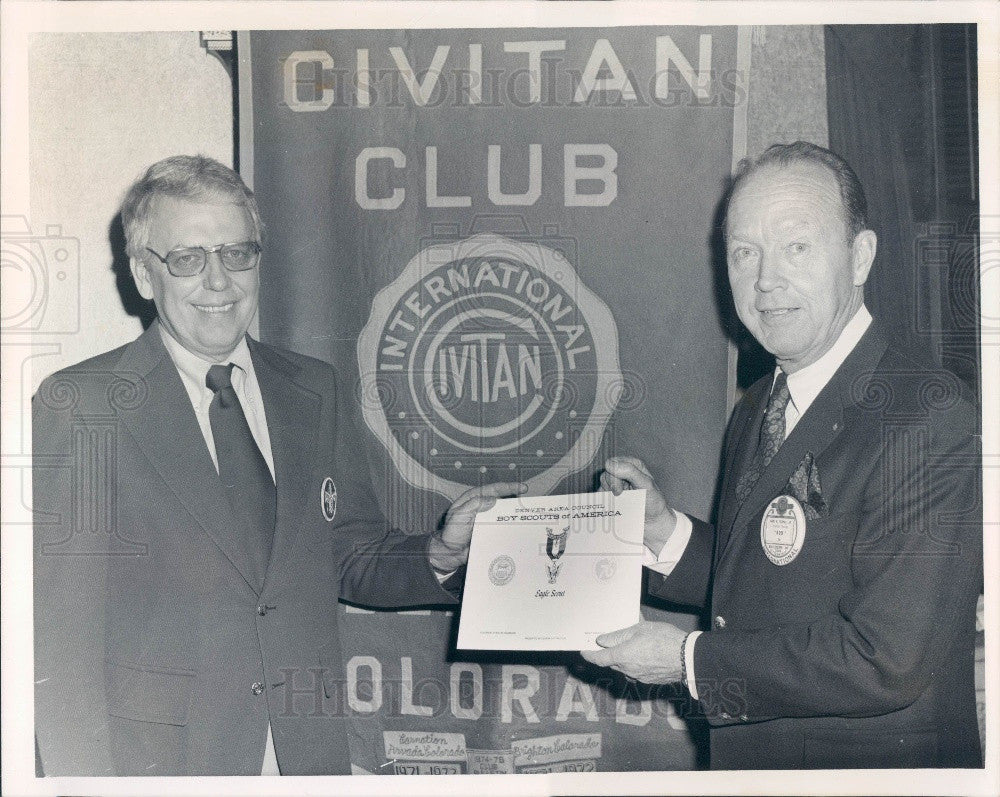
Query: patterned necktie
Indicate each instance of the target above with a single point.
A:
(242, 469)
(772, 435)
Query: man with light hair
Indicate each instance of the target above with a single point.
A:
(199, 510)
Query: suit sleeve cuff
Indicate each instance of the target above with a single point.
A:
(451, 582)
(670, 554)
(689, 663)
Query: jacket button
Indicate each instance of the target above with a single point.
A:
(257, 688)
(725, 715)
(261, 610)
(720, 622)
(744, 718)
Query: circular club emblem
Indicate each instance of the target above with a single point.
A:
(502, 570)
(783, 530)
(328, 499)
(488, 360)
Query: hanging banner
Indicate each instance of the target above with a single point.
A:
(506, 241)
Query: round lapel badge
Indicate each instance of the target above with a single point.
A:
(328, 499)
(783, 530)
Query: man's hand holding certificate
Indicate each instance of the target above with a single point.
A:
(553, 572)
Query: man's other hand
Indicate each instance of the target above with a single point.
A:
(647, 651)
(449, 548)
(630, 473)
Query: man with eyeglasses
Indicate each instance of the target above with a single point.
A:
(199, 510)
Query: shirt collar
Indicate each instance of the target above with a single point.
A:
(193, 369)
(805, 384)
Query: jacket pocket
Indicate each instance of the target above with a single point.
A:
(149, 694)
(334, 675)
(330, 665)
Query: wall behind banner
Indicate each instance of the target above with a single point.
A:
(103, 107)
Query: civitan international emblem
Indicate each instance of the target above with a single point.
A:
(555, 547)
(488, 360)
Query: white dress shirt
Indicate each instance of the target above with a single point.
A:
(803, 386)
(193, 370)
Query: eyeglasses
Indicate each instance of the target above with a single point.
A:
(191, 260)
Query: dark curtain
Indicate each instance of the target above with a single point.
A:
(865, 133)
(900, 102)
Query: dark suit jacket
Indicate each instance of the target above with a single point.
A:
(859, 653)
(150, 632)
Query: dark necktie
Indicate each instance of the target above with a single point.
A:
(772, 435)
(242, 469)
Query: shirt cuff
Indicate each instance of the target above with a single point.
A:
(672, 550)
(442, 577)
(689, 662)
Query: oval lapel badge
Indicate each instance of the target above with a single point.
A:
(328, 499)
(783, 530)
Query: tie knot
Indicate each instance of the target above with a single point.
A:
(220, 377)
(780, 394)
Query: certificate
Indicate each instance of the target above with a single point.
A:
(553, 572)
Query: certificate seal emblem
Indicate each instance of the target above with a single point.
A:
(604, 568)
(783, 530)
(328, 499)
(489, 355)
(502, 570)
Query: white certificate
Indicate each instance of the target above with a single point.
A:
(553, 572)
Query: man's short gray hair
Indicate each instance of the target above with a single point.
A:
(193, 177)
(852, 195)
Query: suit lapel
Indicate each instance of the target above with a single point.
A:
(816, 429)
(166, 429)
(813, 433)
(293, 422)
(740, 452)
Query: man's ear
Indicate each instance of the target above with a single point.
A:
(141, 276)
(862, 255)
